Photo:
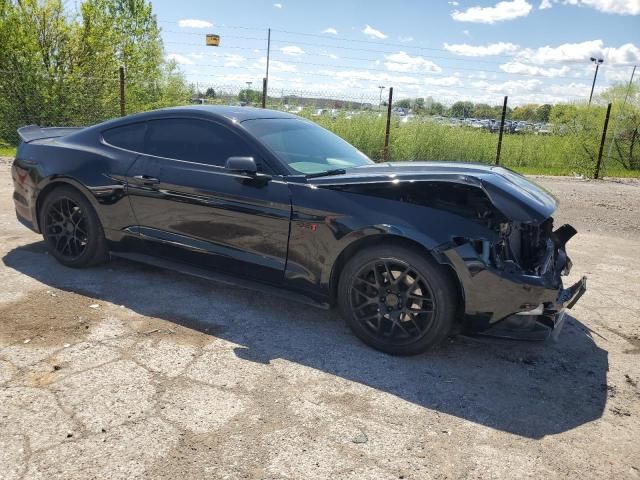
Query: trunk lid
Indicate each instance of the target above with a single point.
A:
(33, 133)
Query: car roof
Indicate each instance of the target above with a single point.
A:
(221, 112)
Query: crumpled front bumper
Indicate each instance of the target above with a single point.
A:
(539, 326)
(507, 303)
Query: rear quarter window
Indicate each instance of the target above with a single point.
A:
(129, 137)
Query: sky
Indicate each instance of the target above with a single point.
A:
(535, 51)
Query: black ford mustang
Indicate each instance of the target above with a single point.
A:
(408, 251)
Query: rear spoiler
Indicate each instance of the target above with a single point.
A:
(34, 132)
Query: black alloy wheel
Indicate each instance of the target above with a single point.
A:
(71, 229)
(392, 300)
(397, 299)
(65, 228)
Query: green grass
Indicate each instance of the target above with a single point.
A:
(527, 154)
(530, 154)
(7, 151)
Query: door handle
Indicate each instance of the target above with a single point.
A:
(146, 180)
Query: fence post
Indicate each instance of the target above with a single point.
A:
(264, 92)
(596, 174)
(385, 153)
(504, 113)
(122, 112)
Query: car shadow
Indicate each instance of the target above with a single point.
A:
(529, 389)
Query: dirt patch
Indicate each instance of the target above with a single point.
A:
(48, 317)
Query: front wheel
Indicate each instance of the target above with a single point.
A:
(397, 300)
(71, 229)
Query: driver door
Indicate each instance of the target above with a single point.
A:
(191, 209)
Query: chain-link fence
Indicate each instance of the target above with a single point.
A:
(559, 139)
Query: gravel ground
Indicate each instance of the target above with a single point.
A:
(126, 371)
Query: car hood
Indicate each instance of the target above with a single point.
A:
(517, 197)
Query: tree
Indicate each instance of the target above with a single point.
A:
(461, 109)
(210, 93)
(436, 108)
(64, 64)
(625, 114)
(404, 103)
(583, 123)
(250, 96)
(482, 110)
(543, 112)
(528, 112)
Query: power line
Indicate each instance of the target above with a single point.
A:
(404, 62)
(292, 61)
(500, 72)
(453, 56)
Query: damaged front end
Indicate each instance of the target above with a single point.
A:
(494, 227)
(512, 285)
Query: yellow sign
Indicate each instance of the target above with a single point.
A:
(213, 40)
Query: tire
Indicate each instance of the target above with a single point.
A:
(405, 316)
(71, 229)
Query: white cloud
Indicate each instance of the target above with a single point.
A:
(506, 10)
(450, 81)
(373, 33)
(466, 32)
(581, 53)
(194, 23)
(521, 68)
(333, 56)
(405, 39)
(197, 56)
(292, 50)
(453, 3)
(509, 87)
(330, 30)
(275, 65)
(620, 7)
(500, 48)
(617, 75)
(403, 62)
(352, 78)
(482, 75)
(569, 90)
(232, 60)
(180, 59)
(277, 5)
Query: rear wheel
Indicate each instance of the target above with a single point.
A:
(396, 300)
(71, 229)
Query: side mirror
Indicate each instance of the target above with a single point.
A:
(242, 165)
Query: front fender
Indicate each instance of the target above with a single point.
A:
(382, 231)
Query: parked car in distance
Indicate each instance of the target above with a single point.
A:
(408, 251)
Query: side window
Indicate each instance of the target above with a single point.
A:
(129, 137)
(194, 141)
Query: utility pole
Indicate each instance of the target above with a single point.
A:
(264, 92)
(597, 61)
(266, 82)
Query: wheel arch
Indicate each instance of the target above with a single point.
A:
(388, 239)
(57, 182)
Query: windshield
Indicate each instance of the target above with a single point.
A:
(304, 146)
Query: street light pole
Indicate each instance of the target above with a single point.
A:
(597, 61)
(381, 87)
